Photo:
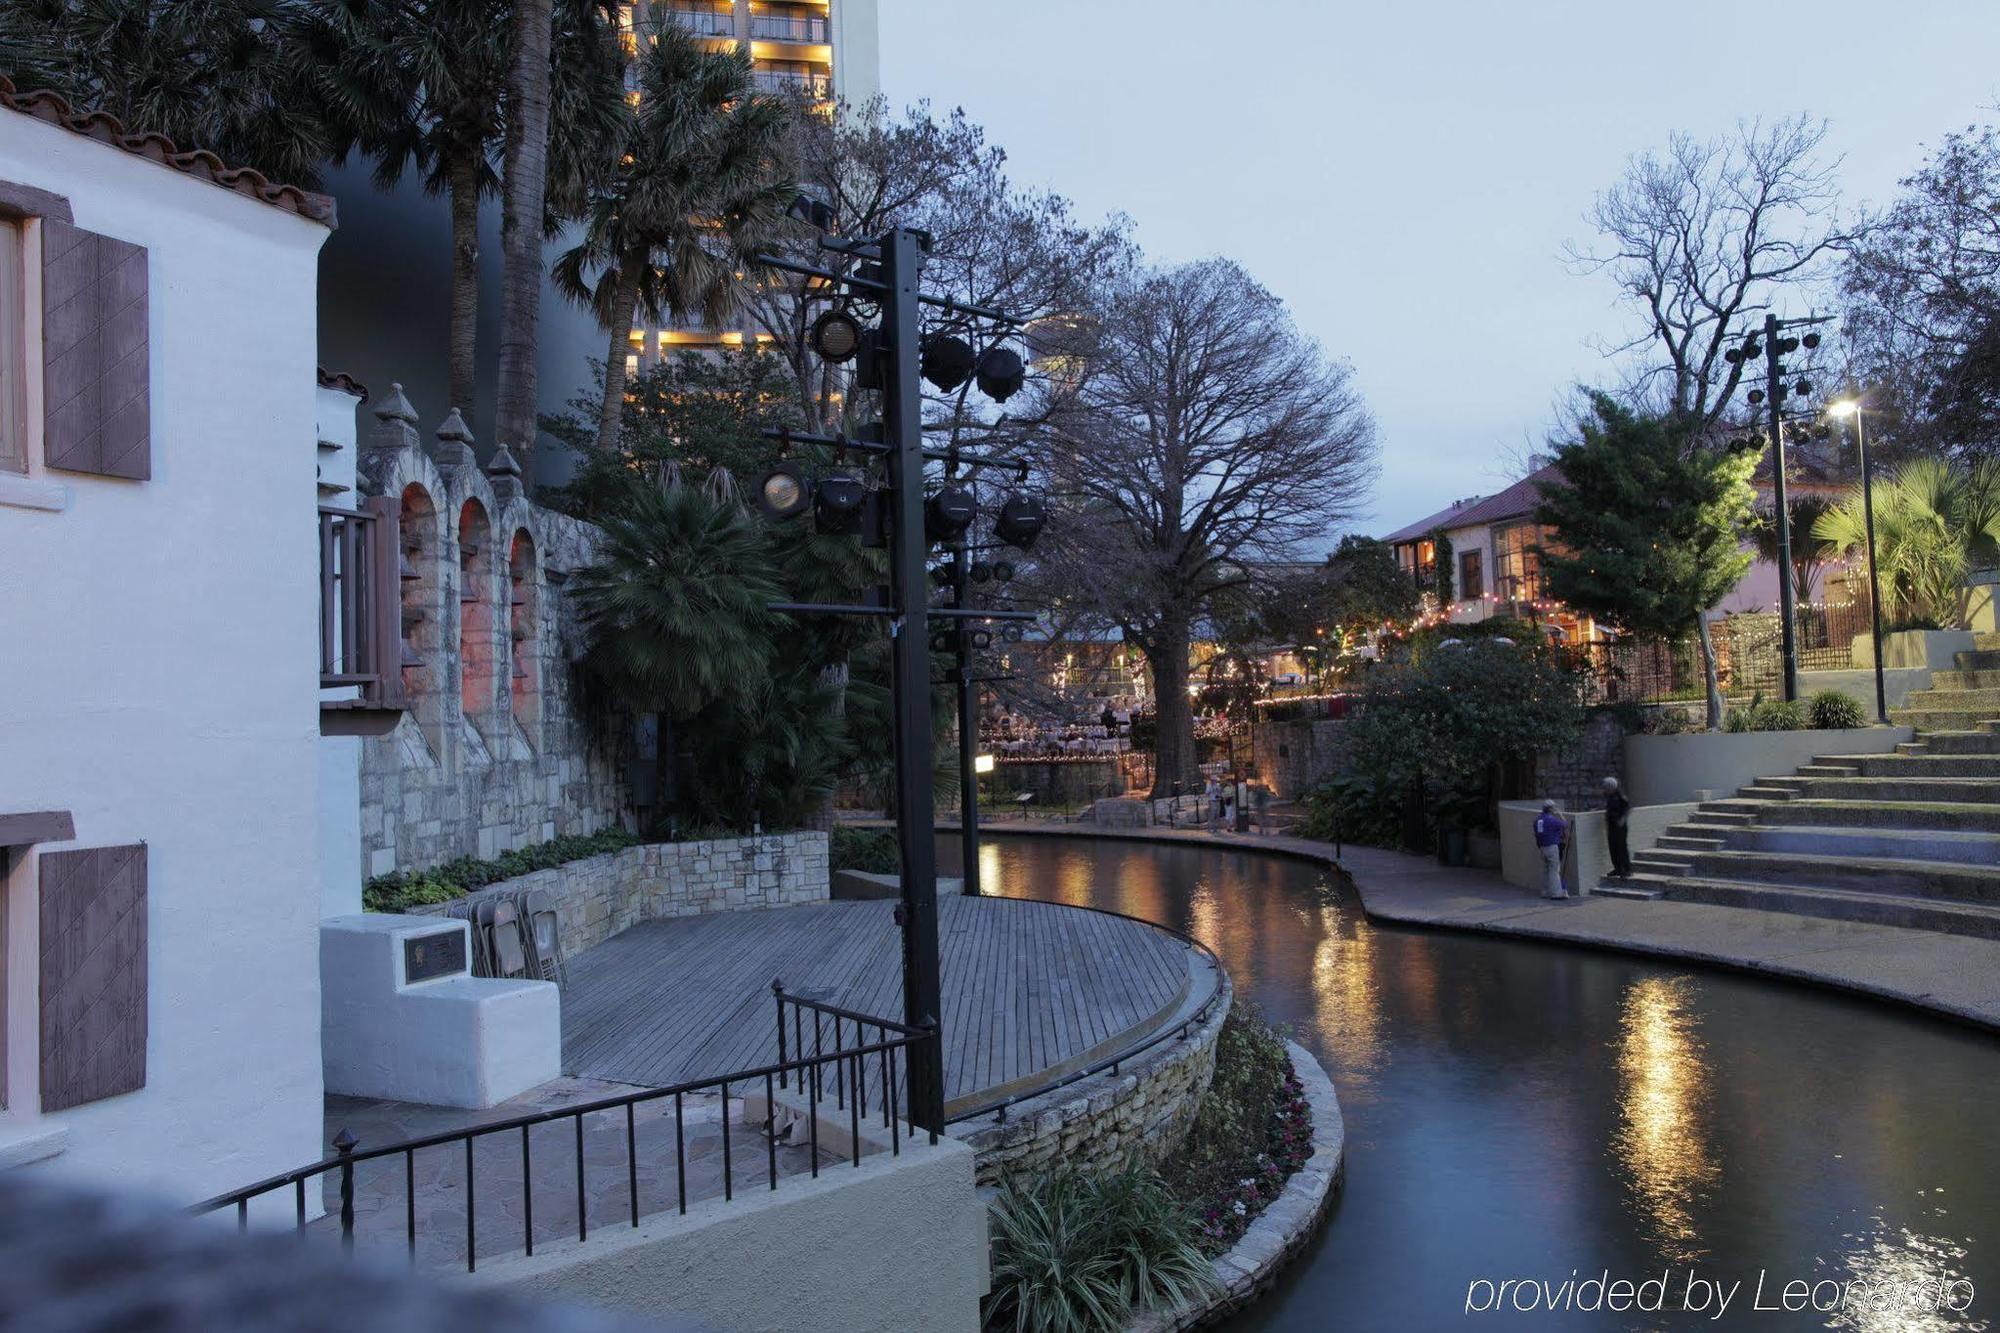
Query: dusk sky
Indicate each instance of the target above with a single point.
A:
(1405, 174)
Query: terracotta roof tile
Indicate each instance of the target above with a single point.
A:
(1517, 501)
(199, 163)
(341, 380)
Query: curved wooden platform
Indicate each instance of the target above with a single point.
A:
(1031, 990)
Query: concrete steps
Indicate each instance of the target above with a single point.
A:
(1828, 843)
(1953, 742)
(1957, 699)
(1886, 909)
(1930, 718)
(1945, 790)
(1967, 817)
(1926, 765)
(1969, 677)
(1860, 874)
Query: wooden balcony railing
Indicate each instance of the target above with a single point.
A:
(360, 618)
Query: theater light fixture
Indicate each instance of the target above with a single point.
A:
(947, 361)
(838, 500)
(1001, 373)
(948, 513)
(836, 337)
(1021, 520)
(785, 491)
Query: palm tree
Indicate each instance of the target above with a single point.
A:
(1809, 553)
(422, 84)
(521, 217)
(674, 612)
(213, 74)
(701, 170)
(1933, 522)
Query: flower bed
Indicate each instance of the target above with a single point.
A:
(1254, 1130)
(402, 889)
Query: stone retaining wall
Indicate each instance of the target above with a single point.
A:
(1145, 1108)
(600, 896)
(1251, 1265)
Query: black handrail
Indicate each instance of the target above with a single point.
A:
(808, 1072)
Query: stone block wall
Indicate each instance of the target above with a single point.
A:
(493, 753)
(1145, 1109)
(1294, 757)
(1574, 776)
(601, 896)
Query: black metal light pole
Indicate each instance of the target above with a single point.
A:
(968, 725)
(910, 670)
(1788, 603)
(1852, 407)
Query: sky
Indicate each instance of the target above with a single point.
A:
(1405, 173)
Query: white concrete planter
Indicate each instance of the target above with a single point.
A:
(1666, 770)
(1932, 648)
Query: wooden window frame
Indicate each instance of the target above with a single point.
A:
(22, 208)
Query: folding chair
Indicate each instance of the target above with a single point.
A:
(510, 959)
(544, 937)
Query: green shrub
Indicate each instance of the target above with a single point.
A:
(1668, 722)
(1833, 711)
(873, 850)
(1077, 1252)
(1777, 715)
(404, 889)
(1254, 1129)
(1352, 808)
(1737, 721)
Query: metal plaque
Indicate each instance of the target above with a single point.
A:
(428, 957)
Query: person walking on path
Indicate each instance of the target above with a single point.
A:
(1550, 832)
(1617, 818)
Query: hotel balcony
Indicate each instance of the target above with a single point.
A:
(702, 22)
(815, 84)
(807, 29)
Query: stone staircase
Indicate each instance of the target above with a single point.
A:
(1904, 839)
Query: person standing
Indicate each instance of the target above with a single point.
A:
(1617, 819)
(1550, 833)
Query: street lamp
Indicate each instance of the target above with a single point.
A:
(1851, 407)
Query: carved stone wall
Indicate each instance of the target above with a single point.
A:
(493, 753)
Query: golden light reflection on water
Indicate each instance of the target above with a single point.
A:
(1905, 1269)
(1347, 1003)
(1662, 1141)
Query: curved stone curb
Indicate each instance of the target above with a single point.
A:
(1282, 1229)
(1945, 976)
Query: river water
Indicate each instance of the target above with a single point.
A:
(1529, 1113)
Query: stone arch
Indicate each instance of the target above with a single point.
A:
(424, 644)
(481, 700)
(524, 636)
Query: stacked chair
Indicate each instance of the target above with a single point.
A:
(515, 935)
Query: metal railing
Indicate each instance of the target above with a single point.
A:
(1113, 1064)
(1749, 652)
(786, 29)
(704, 22)
(360, 600)
(787, 81)
(835, 1072)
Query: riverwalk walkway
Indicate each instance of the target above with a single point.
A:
(1955, 975)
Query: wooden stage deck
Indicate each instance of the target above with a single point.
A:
(1031, 990)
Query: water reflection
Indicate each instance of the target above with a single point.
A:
(1520, 1110)
(1901, 1281)
(1661, 1141)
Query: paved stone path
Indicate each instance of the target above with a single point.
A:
(1949, 974)
(501, 1212)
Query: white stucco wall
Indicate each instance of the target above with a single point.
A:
(857, 50)
(160, 673)
(339, 756)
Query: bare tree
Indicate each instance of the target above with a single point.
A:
(1923, 302)
(1198, 435)
(991, 243)
(1701, 237)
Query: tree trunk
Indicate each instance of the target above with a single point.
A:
(525, 164)
(1708, 672)
(664, 772)
(1179, 761)
(611, 412)
(463, 182)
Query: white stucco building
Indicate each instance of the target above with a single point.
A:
(160, 750)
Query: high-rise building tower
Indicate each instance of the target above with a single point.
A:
(822, 49)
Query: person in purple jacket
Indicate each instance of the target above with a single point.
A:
(1550, 834)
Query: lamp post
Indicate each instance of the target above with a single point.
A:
(1851, 407)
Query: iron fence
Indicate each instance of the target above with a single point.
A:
(1749, 657)
(836, 1072)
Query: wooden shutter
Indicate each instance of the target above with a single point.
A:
(93, 974)
(95, 366)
